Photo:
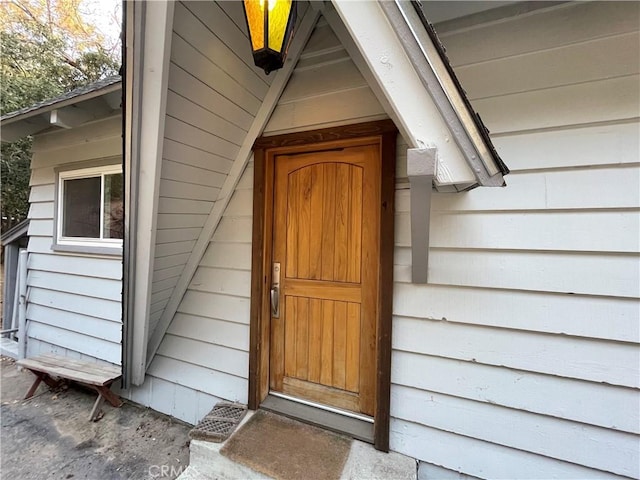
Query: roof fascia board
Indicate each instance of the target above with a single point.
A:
(36, 121)
(303, 32)
(441, 86)
(15, 232)
(155, 49)
(63, 103)
(413, 110)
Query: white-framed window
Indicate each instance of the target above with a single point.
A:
(89, 209)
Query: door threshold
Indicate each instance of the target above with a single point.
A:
(347, 423)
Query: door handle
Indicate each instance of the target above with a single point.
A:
(275, 302)
(275, 291)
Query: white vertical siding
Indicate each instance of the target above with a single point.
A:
(523, 349)
(214, 94)
(74, 301)
(326, 89)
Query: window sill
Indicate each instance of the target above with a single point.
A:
(90, 249)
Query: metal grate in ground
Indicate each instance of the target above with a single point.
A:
(219, 423)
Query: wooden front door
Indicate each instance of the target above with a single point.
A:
(326, 242)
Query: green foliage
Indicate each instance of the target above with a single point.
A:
(14, 172)
(46, 50)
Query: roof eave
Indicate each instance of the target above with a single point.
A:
(15, 232)
(35, 120)
(428, 57)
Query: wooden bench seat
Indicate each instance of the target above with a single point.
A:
(53, 369)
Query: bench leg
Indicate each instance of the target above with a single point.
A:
(34, 387)
(41, 377)
(109, 396)
(96, 409)
(104, 393)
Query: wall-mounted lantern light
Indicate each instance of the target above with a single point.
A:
(270, 24)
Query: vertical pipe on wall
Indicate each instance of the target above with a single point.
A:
(22, 305)
(9, 285)
(15, 301)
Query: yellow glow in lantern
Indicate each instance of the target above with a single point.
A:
(270, 24)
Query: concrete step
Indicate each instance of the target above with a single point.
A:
(206, 459)
(364, 462)
(191, 473)
(8, 348)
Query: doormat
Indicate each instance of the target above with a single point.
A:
(219, 423)
(288, 450)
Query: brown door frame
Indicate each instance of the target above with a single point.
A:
(383, 131)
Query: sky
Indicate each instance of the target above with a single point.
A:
(106, 16)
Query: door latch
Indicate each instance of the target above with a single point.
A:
(275, 291)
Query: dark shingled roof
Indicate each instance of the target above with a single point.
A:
(92, 87)
(15, 232)
(484, 131)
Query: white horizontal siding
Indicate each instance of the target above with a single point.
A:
(522, 351)
(74, 301)
(99, 139)
(552, 395)
(451, 413)
(481, 459)
(564, 230)
(570, 24)
(209, 335)
(558, 272)
(187, 404)
(206, 348)
(213, 94)
(37, 347)
(606, 362)
(326, 89)
(563, 65)
(607, 318)
(520, 357)
(610, 99)
(608, 144)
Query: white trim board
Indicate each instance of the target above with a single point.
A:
(156, 48)
(307, 24)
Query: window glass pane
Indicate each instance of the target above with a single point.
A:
(81, 208)
(113, 206)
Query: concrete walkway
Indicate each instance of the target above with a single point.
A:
(364, 462)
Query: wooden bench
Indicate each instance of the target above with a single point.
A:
(54, 369)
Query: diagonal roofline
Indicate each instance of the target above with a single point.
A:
(86, 92)
(481, 127)
(406, 66)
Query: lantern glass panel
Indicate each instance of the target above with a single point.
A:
(278, 15)
(255, 18)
